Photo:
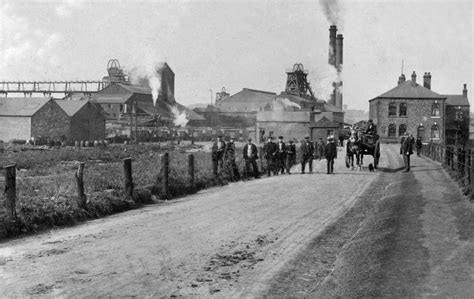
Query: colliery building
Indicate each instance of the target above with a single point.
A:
(416, 109)
(46, 118)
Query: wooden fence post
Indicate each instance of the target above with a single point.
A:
(81, 197)
(165, 175)
(467, 165)
(191, 170)
(452, 158)
(127, 174)
(10, 191)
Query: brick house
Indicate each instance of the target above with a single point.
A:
(410, 107)
(457, 118)
(86, 120)
(23, 118)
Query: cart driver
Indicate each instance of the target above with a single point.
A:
(371, 128)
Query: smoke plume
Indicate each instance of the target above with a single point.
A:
(284, 103)
(147, 75)
(180, 118)
(332, 10)
(322, 80)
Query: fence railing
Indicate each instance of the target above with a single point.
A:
(456, 159)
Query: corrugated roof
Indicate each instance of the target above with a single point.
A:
(250, 95)
(71, 107)
(456, 100)
(412, 90)
(111, 98)
(21, 106)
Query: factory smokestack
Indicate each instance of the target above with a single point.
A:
(339, 39)
(332, 45)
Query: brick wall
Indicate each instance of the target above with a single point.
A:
(50, 121)
(418, 112)
(87, 124)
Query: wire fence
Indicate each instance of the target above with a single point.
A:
(456, 159)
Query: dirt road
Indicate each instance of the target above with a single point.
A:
(226, 241)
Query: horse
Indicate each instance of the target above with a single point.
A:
(353, 148)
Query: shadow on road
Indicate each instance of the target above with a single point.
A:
(391, 170)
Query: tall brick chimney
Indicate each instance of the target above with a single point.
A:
(427, 80)
(332, 45)
(413, 77)
(339, 39)
(464, 91)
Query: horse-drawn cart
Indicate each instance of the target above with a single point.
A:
(359, 145)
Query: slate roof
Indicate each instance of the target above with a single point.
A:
(111, 98)
(456, 100)
(247, 95)
(410, 90)
(71, 107)
(21, 106)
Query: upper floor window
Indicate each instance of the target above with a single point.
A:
(435, 109)
(402, 129)
(392, 130)
(403, 109)
(435, 131)
(459, 115)
(392, 109)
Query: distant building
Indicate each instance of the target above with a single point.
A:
(246, 102)
(23, 118)
(86, 120)
(410, 107)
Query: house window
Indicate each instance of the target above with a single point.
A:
(110, 105)
(392, 109)
(392, 130)
(403, 109)
(434, 132)
(421, 132)
(402, 129)
(330, 133)
(459, 115)
(435, 109)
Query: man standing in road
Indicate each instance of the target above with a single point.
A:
(406, 150)
(270, 154)
(218, 150)
(331, 154)
(291, 156)
(230, 160)
(320, 149)
(250, 154)
(281, 155)
(307, 151)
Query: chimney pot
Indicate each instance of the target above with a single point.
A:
(413, 77)
(427, 80)
(464, 91)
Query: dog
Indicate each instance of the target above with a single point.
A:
(371, 167)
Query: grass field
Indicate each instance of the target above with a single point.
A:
(46, 190)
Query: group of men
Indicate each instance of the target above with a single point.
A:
(280, 156)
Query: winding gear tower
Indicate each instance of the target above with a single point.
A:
(297, 83)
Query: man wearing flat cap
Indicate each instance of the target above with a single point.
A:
(218, 150)
(250, 154)
(270, 150)
(291, 156)
(307, 152)
(281, 155)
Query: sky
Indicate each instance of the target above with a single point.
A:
(240, 44)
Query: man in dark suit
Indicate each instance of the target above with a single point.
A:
(291, 156)
(270, 150)
(406, 149)
(218, 150)
(331, 154)
(250, 154)
(371, 128)
(281, 155)
(307, 152)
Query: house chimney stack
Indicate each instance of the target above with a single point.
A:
(427, 80)
(332, 45)
(401, 79)
(413, 77)
(339, 39)
(464, 91)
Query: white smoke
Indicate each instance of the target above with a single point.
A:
(323, 78)
(147, 73)
(283, 103)
(180, 118)
(333, 11)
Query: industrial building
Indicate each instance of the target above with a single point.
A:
(46, 118)
(411, 107)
